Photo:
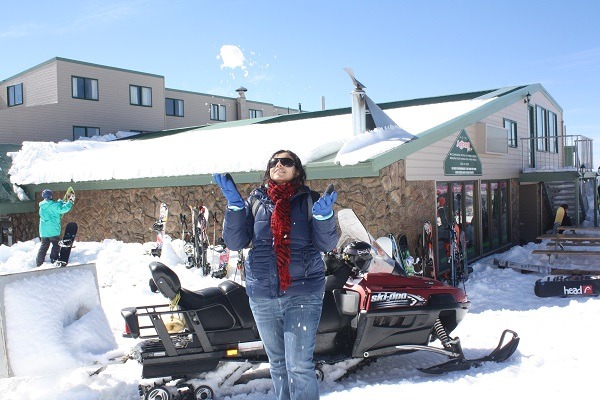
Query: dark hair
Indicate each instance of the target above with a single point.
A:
(299, 179)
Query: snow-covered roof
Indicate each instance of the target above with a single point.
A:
(243, 148)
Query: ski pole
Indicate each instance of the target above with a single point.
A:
(215, 228)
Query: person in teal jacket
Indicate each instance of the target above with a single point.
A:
(51, 212)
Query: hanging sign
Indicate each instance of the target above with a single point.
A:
(462, 159)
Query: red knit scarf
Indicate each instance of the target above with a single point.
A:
(280, 195)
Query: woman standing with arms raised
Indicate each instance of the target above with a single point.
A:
(289, 226)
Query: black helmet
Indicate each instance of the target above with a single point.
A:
(47, 194)
(358, 255)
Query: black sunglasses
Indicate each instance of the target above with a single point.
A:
(285, 161)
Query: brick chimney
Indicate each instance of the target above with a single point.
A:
(242, 107)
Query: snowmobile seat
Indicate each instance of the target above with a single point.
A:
(165, 279)
(236, 294)
(217, 313)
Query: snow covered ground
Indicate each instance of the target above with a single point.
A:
(556, 356)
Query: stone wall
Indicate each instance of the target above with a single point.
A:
(384, 204)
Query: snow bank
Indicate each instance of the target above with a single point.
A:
(55, 321)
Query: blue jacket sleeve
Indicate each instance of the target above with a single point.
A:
(325, 236)
(237, 228)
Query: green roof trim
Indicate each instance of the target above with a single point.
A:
(383, 106)
(17, 208)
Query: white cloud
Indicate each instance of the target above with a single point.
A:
(232, 57)
(20, 31)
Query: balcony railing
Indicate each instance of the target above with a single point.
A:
(556, 153)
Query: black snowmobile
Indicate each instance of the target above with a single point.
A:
(371, 309)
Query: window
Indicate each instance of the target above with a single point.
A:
(552, 132)
(217, 112)
(255, 113)
(456, 202)
(512, 132)
(15, 95)
(494, 214)
(85, 131)
(84, 88)
(174, 107)
(546, 130)
(140, 96)
(540, 128)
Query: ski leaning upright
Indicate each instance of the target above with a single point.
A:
(425, 264)
(241, 266)
(159, 227)
(200, 240)
(459, 271)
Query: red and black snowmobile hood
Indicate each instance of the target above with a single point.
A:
(383, 290)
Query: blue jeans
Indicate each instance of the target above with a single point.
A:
(287, 327)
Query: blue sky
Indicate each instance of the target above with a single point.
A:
(294, 51)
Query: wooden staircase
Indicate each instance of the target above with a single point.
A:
(563, 192)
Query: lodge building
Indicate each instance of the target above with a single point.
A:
(496, 162)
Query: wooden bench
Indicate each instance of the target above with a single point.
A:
(568, 244)
(579, 228)
(560, 241)
(567, 252)
(573, 238)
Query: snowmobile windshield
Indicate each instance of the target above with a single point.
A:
(351, 229)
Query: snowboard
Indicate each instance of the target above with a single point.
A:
(159, 227)
(395, 254)
(66, 244)
(388, 244)
(404, 255)
(568, 285)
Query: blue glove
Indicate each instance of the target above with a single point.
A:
(322, 208)
(225, 182)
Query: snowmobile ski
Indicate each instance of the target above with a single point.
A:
(501, 353)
